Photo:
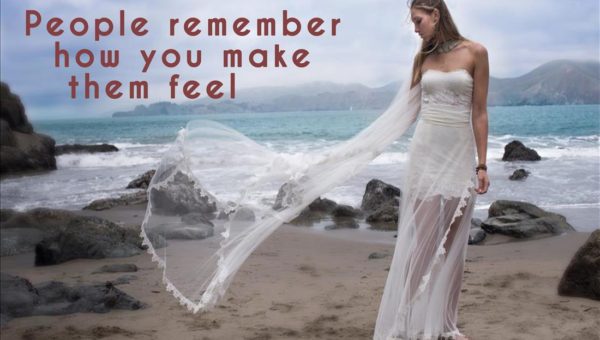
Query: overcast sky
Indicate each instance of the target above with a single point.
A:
(374, 43)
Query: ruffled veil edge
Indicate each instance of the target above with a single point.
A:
(217, 195)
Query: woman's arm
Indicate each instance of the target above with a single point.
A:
(480, 115)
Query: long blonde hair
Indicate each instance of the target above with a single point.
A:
(445, 30)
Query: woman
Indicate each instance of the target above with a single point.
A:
(420, 299)
(224, 194)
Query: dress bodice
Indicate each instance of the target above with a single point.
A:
(446, 97)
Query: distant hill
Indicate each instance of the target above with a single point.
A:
(554, 83)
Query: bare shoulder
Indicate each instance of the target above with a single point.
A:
(477, 49)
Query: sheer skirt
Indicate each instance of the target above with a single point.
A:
(420, 299)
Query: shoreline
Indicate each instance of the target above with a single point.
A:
(300, 285)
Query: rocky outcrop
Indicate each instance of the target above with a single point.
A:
(381, 202)
(143, 181)
(180, 196)
(60, 235)
(523, 220)
(582, 275)
(21, 149)
(19, 298)
(378, 193)
(83, 148)
(516, 151)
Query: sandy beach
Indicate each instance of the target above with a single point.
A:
(302, 284)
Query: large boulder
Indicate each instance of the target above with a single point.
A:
(90, 238)
(21, 149)
(19, 298)
(180, 196)
(381, 202)
(60, 235)
(523, 220)
(582, 275)
(517, 151)
(378, 193)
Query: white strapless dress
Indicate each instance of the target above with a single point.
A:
(420, 299)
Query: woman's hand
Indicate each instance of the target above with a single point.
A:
(484, 182)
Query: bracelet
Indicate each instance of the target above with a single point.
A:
(480, 167)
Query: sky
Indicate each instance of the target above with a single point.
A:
(374, 45)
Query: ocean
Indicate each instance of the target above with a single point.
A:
(566, 180)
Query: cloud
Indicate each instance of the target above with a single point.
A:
(374, 45)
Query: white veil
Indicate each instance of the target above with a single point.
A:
(203, 222)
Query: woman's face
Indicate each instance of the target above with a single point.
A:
(424, 22)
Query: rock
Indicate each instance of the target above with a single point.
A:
(519, 174)
(344, 210)
(324, 205)
(68, 236)
(376, 255)
(243, 213)
(385, 217)
(143, 181)
(476, 235)
(7, 138)
(318, 209)
(23, 231)
(523, 220)
(343, 223)
(17, 296)
(117, 268)
(83, 148)
(286, 196)
(180, 196)
(139, 197)
(307, 217)
(516, 151)
(21, 149)
(12, 110)
(19, 240)
(378, 193)
(31, 153)
(582, 276)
